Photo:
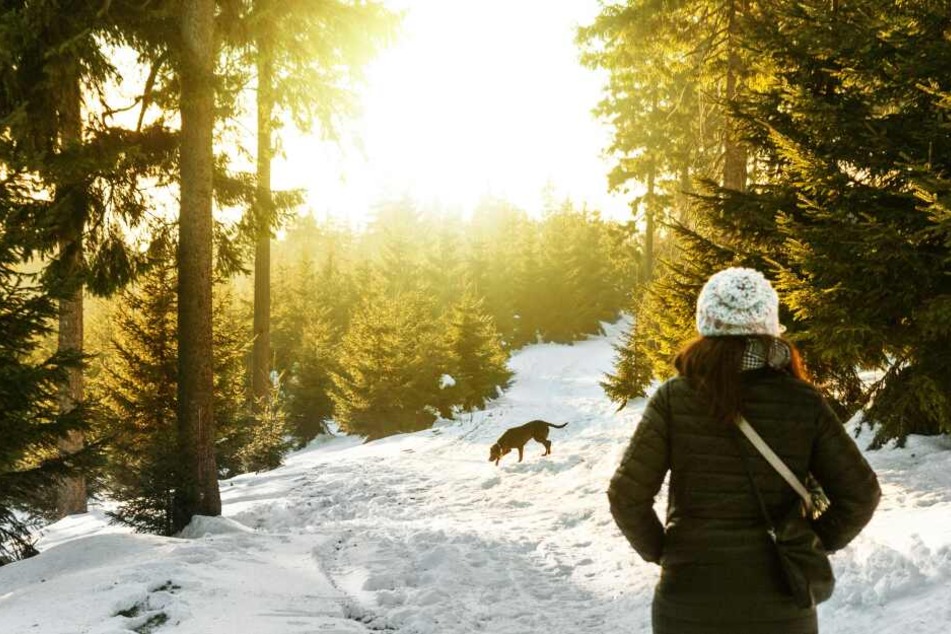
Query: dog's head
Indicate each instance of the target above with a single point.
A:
(495, 452)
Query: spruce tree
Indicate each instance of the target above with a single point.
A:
(88, 169)
(31, 424)
(844, 211)
(852, 130)
(138, 387)
(390, 365)
(309, 386)
(309, 58)
(477, 360)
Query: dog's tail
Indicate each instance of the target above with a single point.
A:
(557, 426)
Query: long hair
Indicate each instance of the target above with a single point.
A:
(712, 365)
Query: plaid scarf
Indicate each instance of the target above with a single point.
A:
(758, 354)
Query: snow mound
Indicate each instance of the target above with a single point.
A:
(205, 526)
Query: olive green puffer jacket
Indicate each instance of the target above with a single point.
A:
(719, 572)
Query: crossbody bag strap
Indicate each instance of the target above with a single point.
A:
(770, 527)
(775, 462)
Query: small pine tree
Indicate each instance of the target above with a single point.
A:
(477, 359)
(390, 364)
(309, 401)
(138, 389)
(139, 392)
(264, 434)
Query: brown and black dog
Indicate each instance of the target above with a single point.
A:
(516, 437)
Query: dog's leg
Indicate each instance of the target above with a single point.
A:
(519, 454)
(547, 444)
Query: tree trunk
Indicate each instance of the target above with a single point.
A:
(71, 495)
(650, 210)
(197, 491)
(261, 357)
(686, 188)
(734, 154)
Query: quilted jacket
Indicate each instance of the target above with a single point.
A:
(719, 572)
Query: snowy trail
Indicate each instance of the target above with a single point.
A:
(431, 537)
(421, 534)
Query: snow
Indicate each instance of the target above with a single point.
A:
(421, 534)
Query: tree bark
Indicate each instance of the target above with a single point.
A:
(197, 491)
(71, 495)
(734, 154)
(261, 355)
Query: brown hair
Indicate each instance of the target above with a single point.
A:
(712, 365)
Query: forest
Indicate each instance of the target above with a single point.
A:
(168, 318)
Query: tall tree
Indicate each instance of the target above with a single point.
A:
(851, 130)
(86, 170)
(197, 482)
(676, 72)
(72, 493)
(309, 57)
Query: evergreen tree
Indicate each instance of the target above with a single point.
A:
(88, 168)
(31, 424)
(526, 275)
(852, 130)
(308, 57)
(309, 387)
(844, 212)
(138, 388)
(477, 359)
(312, 313)
(196, 490)
(390, 365)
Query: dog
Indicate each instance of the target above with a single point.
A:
(516, 437)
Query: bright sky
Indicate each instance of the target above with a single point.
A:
(475, 98)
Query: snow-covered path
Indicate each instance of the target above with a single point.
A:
(431, 537)
(421, 534)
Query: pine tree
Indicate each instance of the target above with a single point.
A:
(31, 424)
(390, 365)
(309, 387)
(308, 57)
(477, 359)
(88, 169)
(138, 387)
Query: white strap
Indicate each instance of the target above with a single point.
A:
(775, 461)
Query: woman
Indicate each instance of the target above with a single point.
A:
(719, 571)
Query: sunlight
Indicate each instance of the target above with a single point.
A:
(473, 99)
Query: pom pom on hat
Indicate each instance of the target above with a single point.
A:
(738, 301)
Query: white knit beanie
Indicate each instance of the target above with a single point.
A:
(738, 301)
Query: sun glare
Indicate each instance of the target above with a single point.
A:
(474, 99)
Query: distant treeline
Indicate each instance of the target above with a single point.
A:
(382, 331)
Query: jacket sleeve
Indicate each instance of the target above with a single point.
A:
(847, 479)
(638, 479)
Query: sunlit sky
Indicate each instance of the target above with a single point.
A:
(474, 99)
